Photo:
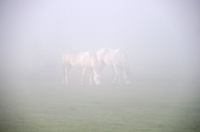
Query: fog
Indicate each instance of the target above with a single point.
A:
(161, 38)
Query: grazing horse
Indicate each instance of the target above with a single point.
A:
(118, 60)
(83, 60)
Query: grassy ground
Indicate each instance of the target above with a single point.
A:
(53, 107)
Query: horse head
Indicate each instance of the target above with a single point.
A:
(97, 78)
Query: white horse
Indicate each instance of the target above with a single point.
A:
(83, 60)
(118, 60)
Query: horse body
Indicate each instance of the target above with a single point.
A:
(118, 60)
(83, 60)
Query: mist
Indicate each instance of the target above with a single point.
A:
(160, 38)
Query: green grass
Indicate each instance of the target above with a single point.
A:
(53, 107)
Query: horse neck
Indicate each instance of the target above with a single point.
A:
(96, 68)
(95, 65)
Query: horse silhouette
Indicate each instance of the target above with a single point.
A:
(83, 60)
(118, 60)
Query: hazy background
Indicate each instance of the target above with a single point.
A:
(161, 38)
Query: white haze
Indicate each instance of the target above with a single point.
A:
(161, 38)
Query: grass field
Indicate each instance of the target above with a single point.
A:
(141, 107)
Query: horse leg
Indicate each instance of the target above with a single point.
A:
(65, 74)
(63, 80)
(116, 74)
(91, 75)
(66, 68)
(112, 74)
(120, 73)
(83, 74)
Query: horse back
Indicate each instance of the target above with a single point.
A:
(78, 59)
(112, 57)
